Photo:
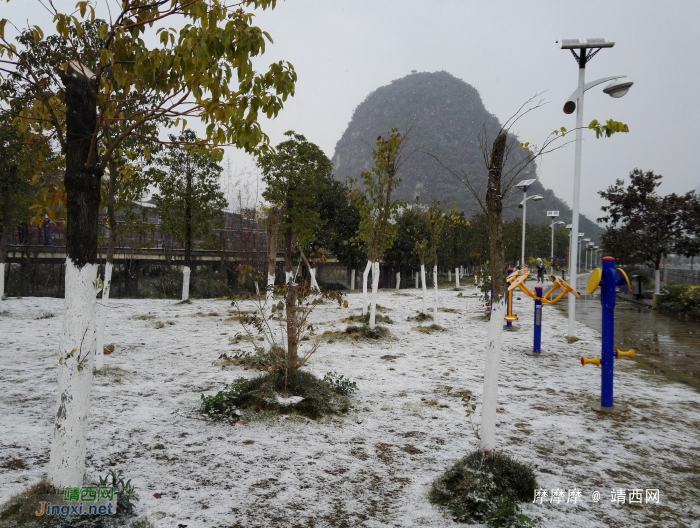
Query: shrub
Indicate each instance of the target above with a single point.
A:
(261, 393)
(124, 488)
(681, 298)
(340, 383)
(487, 489)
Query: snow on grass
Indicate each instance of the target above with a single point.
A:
(372, 467)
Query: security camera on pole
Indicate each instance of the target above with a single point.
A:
(619, 86)
(524, 186)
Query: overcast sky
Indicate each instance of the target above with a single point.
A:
(344, 49)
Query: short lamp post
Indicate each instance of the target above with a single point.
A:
(524, 186)
(618, 87)
(553, 215)
(577, 263)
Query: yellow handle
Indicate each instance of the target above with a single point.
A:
(592, 361)
(629, 353)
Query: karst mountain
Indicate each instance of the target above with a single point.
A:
(444, 116)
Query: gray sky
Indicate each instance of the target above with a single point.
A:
(343, 50)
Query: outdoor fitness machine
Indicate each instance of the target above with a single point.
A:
(608, 279)
(517, 280)
(510, 316)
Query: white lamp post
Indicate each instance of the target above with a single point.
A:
(553, 215)
(619, 86)
(524, 186)
(578, 262)
(585, 261)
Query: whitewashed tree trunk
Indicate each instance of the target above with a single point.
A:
(398, 280)
(352, 279)
(270, 288)
(425, 289)
(2, 283)
(312, 274)
(657, 281)
(67, 461)
(288, 277)
(492, 363)
(416, 277)
(449, 275)
(102, 317)
(375, 286)
(456, 277)
(435, 286)
(364, 287)
(185, 282)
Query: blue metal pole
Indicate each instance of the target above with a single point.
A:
(537, 345)
(510, 302)
(607, 300)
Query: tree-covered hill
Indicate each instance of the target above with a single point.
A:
(445, 116)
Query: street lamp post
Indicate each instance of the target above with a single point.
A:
(553, 215)
(578, 255)
(524, 186)
(585, 261)
(619, 86)
(589, 250)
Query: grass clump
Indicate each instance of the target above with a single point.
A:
(20, 509)
(365, 332)
(247, 396)
(358, 333)
(378, 318)
(486, 488)
(421, 317)
(429, 329)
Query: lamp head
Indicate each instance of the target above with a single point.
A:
(618, 88)
(585, 43)
(536, 198)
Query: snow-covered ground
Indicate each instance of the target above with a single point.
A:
(372, 467)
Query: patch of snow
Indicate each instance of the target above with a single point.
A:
(372, 467)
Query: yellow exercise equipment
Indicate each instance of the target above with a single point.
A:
(590, 361)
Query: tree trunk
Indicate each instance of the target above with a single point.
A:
(352, 279)
(398, 280)
(8, 225)
(657, 276)
(77, 345)
(494, 219)
(425, 289)
(435, 286)
(375, 286)
(103, 306)
(188, 221)
(364, 286)
(290, 308)
(272, 231)
(312, 271)
(186, 271)
(456, 277)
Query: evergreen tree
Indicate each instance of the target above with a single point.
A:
(189, 198)
(295, 175)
